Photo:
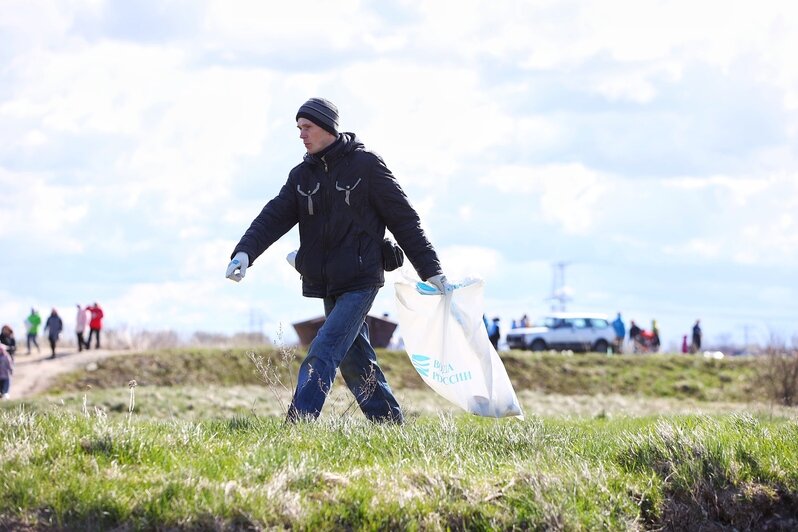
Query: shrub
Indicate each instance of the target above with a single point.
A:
(779, 375)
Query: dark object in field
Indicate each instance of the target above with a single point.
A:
(380, 330)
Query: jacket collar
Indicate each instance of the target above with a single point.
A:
(345, 143)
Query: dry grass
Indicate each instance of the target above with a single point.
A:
(207, 402)
(779, 374)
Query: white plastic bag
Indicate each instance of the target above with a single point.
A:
(446, 340)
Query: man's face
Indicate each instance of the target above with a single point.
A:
(313, 137)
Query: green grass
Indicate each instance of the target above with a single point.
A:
(609, 443)
(75, 471)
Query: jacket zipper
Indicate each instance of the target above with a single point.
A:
(325, 228)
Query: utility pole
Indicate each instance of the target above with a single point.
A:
(559, 295)
(255, 320)
(746, 327)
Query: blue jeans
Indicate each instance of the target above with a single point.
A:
(32, 338)
(343, 342)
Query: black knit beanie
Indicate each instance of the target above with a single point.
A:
(321, 112)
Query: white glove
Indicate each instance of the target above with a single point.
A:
(240, 263)
(440, 282)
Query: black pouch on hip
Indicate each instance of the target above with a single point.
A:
(392, 255)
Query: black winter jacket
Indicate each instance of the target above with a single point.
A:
(10, 342)
(336, 254)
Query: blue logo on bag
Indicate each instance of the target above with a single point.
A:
(421, 363)
(442, 373)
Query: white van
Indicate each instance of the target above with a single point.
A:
(565, 330)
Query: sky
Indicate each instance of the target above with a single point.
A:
(649, 146)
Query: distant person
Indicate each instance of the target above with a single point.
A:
(685, 347)
(54, 326)
(494, 333)
(8, 340)
(634, 330)
(634, 335)
(525, 321)
(696, 345)
(95, 325)
(6, 370)
(32, 323)
(81, 321)
(646, 342)
(655, 342)
(620, 332)
(514, 324)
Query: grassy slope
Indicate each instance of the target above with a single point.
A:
(676, 376)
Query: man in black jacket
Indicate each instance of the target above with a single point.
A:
(341, 195)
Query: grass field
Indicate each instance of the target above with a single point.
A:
(666, 442)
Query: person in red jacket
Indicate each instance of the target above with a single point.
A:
(95, 325)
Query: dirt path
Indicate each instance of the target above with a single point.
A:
(33, 373)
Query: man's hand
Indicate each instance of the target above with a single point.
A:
(440, 282)
(240, 263)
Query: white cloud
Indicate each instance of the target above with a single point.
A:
(30, 23)
(13, 314)
(460, 262)
(755, 221)
(267, 27)
(636, 84)
(49, 212)
(737, 191)
(703, 248)
(184, 129)
(215, 119)
(556, 36)
(163, 305)
(444, 116)
(137, 148)
(568, 194)
(745, 220)
(33, 139)
(104, 88)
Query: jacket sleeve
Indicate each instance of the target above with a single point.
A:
(276, 218)
(394, 208)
